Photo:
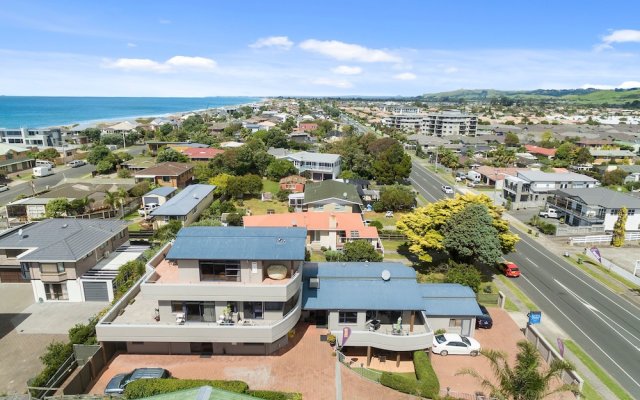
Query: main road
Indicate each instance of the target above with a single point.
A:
(604, 324)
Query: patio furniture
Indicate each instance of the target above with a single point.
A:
(373, 324)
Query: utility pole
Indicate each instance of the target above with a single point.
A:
(124, 142)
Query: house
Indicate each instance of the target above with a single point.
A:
(328, 195)
(596, 207)
(606, 156)
(174, 174)
(324, 229)
(15, 158)
(218, 290)
(155, 146)
(319, 166)
(32, 137)
(307, 126)
(293, 183)
(494, 177)
(186, 206)
(596, 143)
(540, 151)
(530, 188)
(120, 128)
(158, 196)
(201, 154)
(58, 257)
(302, 137)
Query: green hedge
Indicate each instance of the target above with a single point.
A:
(151, 387)
(271, 395)
(399, 383)
(428, 382)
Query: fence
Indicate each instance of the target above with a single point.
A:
(613, 268)
(67, 367)
(80, 379)
(361, 370)
(568, 230)
(628, 237)
(392, 236)
(549, 354)
(496, 299)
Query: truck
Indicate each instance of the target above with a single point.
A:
(39, 172)
(549, 213)
(473, 176)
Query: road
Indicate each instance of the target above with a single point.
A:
(604, 324)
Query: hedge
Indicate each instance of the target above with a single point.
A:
(399, 383)
(427, 379)
(151, 387)
(271, 395)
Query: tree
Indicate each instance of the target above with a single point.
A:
(48, 154)
(167, 232)
(464, 274)
(397, 197)
(104, 167)
(97, 154)
(279, 168)
(221, 182)
(92, 134)
(424, 227)
(503, 157)
(566, 151)
(527, 379)
(391, 165)
(169, 154)
(448, 158)
(614, 178)
(511, 139)
(166, 129)
(112, 199)
(79, 206)
(56, 208)
(360, 250)
(582, 156)
(619, 228)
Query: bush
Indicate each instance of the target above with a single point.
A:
(428, 383)
(151, 387)
(124, 173)
(378, 207)
(271, 395)
(399, 383)
(333, 256)
(377, 224)
(283, 195)
(464, 274)
(83, 334)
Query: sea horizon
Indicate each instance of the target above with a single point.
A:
(39, 112)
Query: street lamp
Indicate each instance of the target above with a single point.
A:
(124, 142)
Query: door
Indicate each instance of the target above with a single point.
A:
(466, 327)
(95, 291)
(12, 276)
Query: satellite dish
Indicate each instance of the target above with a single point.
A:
(386, 275)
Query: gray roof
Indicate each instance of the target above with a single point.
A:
(603, 197)
(539, 176)
(161, 191)
(611, 153)
(331, 189)
(185, 201)
(315, 157)
(61, 239)
(239, 243)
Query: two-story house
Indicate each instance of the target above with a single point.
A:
(186, 206)
(531, 188)
(55, 254)
(318, 166)
(174, 174)
(596, 207)
(327, 196)
(220, 290)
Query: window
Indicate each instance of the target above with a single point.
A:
(233, 306)
(253, 310)
(290, 304)
(176, 307)
(348, 317)
(632, 211)
(220, 271)
(355, 234)
(614, 211)
(273, 306)
(52, 268)
(56, 291)
(455, 323)
(166, 179)
(371, 314)
(60, 267)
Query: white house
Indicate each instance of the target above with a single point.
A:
(321, 166)
(532, 188)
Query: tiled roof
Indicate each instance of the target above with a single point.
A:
(540, 150)
(165, 169)
(315, 221)
(193, 152)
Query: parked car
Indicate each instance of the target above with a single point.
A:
(452, 343)
(549, 213)
(3, 188)
(45, 163)
(118, 383)
(389, 214)
(447, 189)
(484, 320)
(510, 269)
(76, 163)
(147, 209)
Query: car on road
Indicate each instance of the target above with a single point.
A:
(447, 189)
(118, 383)
(452, 343)
(4, 188)
(484, 320)
(147, 209)
(76, 163)
(510, 269)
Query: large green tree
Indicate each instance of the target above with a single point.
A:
(397, 197)
(56, 208)
(97, 154)
(360, 250)
(390, 163)
(278, 169)
(614, 178)
(527, 379)
(169, 154)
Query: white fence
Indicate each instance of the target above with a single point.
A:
(629, 237)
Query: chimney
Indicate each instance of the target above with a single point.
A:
(333, 224)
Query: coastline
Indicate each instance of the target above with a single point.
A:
(131, 118)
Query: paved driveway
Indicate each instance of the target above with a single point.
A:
(307, 367)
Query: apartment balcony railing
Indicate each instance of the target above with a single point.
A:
(592, 215)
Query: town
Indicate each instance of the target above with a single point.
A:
(281, 249)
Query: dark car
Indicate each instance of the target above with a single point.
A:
(484, 320)
(118, 383)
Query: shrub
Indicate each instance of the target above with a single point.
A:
(151, 387)
(271, 395)
(428, 383)
(333, 256)
(83, 334)
(464, 274)
(378, 207)
(399, 383)
(377, 224)
(124, 173)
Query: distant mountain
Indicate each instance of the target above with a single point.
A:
(616, 97)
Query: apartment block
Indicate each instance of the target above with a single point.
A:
(32, 137)
(446, 123)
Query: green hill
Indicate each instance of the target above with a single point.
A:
(618, 97)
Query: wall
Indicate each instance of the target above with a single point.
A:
(632, 225)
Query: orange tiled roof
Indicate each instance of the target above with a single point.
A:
(314, 221)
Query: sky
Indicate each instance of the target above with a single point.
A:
(321, 48)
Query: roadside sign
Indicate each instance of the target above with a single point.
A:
(594, 250)
(561, 347)
(534, 317)
(346, 332)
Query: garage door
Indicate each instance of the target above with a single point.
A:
(11, 276)
(95, 291)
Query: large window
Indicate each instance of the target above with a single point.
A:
(253, 310)
(348, 317)
(290, 304)
(52, 268)
(455, 323)
(56, 291)
(220, 271)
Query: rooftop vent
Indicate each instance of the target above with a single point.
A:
(386, 275)
(314, 283)
(65, 226)
(281, 241)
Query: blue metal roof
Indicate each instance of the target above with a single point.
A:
(456, 307)
(239, 243)
(446, 290)
(161, 191)
(358, 270)
(184, 201)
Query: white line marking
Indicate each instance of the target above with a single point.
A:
(426, 192)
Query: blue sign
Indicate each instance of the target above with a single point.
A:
(534, 317)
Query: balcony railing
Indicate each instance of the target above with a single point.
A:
(594, 215)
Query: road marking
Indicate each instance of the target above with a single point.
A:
(426, 192)
(532, 263)
(584, 333)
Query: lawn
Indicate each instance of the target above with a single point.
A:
(135, 227)
(259, 207)
(521, 296)
(270, 186)
(375, 216)
(317, 256)
(392, 244)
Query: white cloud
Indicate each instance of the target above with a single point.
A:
(346, 70)
(623, 85)
(451, 70)
(131, 45)
(338, 83)
(346, 51)
(405, 76)
(174, 63)
(619, 36)
(281, 42)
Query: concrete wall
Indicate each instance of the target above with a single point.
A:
(437, 323)
(74, 291)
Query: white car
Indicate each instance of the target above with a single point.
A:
(447, 189)
(452, 343)
(76, 163)
(147, 209)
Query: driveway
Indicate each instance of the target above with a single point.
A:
(307, 367)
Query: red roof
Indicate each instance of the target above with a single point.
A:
(207, 152)
(315, 221)
(540, 150)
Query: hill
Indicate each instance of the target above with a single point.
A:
(618, 97)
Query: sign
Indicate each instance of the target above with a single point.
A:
(561, 347)
(534, 317)
(346, 332)
(594, 250)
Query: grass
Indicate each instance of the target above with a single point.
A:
(392, 244)
(605, 378)
(270, 186)
(510, 305)
(259, 207)
(367, 373)
(397, 257)
(372, 215)
(131, 216)
(589, 393)
(317, 256)
(135, 227)
(521, 296)
(589, 269)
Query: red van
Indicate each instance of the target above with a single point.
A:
(510, 269)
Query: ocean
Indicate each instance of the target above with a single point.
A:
(42, 112)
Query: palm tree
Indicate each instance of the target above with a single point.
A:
(526, 380)
(122, 198)
(111, 199)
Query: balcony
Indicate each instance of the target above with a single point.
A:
(593, 215)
